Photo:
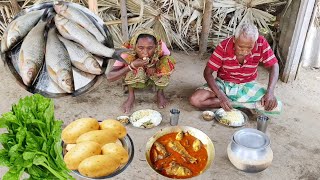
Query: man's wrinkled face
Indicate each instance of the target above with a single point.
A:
(243, 46)
(145, 47)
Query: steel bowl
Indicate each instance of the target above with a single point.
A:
(43, 84)
(249, 150)
(126, 143)
(205, 140)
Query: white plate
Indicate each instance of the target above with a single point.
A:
(146, 118)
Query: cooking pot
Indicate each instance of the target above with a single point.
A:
(249, 150)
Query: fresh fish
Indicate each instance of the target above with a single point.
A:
(81, 58)
(163, 153)
(58, 62)
(75, 32)
(176, 146)
(79, 17)
(31, 56)
(196, 145)
(179, 136)
(175, 169)
(20, 27)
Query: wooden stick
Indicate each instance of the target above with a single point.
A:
(206, 21)
(15, 6)
(124, 20)
(93, 6)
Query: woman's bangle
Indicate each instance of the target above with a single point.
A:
(130, 68)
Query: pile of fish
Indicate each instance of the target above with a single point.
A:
(57, 39)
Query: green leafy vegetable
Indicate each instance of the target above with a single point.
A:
(32, 143)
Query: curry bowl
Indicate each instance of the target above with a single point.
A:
(179, 152)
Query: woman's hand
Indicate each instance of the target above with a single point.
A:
(138, 63)
(151, 71)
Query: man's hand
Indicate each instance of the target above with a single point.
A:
(151, 71)
(225, 102)
(269, 101)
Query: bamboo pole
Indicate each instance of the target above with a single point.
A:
(15, 6)
(206, 21)
(124, 20)
(93, 6)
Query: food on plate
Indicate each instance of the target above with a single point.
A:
(78, 127)
(117, 151)
(123, 119)
(100, 136)
(80, 152)
(176, 158)
(70, 146)
(98, 165)
(97, 152)
(146, 118)
(208, 115)
(230, 118)
(114, 126)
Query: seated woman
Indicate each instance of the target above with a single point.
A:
(147, 64)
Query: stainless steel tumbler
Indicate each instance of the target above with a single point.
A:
(174, 117)
(262, 123)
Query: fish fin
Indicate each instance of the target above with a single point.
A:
(52, 73)
(21, 59)
(79, 65)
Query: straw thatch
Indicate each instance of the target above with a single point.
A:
(178, 22)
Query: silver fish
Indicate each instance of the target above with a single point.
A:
(75, 32)
(32, 53)
(79, 17)
(58, 62)
(20, 27)
(81, 58)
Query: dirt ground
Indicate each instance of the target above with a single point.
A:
(295, 135)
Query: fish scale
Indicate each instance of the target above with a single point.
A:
(81, 58)
(58, 62)
(80, 18)
(32, 53)
(75, 32)
(20, 27)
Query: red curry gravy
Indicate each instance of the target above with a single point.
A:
(187, 140)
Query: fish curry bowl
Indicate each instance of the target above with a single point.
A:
(179, 152)
(51, 48)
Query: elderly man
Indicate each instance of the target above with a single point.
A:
(236, 60)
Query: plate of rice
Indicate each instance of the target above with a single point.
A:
(233, 118)
(146, 118)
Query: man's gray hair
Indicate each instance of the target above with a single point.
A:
(247, 29)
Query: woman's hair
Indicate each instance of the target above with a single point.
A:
(147, 36)
(249, 30)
